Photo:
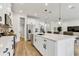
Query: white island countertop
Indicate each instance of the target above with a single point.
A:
(57, 36)
(55, 44)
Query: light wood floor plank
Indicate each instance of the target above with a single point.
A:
(25, 49)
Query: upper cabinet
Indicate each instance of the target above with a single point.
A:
(5, 8)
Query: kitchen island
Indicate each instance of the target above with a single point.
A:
(54, 44)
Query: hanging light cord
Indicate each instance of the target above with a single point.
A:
(59, 11)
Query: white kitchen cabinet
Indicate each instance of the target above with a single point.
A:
(41, 45)
(65, 47)
(35, 42)
(55, 45)
(6, 45)
(51, 48)
(38, 43)
(45, 46)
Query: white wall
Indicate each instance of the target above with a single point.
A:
(54, 26)
(36, 23)
(65, 24)
(16, 25)
(15, 21)
(6, 8)
(70, 23)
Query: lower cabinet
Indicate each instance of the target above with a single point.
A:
(51, 48)
(7, 52)
(6, 49)
(48, 47)
(44, 46)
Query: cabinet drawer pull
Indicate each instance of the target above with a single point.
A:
(45, 40)
(44, 46)
(5, 50)
(9, 53)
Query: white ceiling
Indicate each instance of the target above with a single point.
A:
(70, 14)
(37, 9)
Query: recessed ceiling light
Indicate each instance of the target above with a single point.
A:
(70, 6)
(0, 6)
(21, 11)
(46, 4)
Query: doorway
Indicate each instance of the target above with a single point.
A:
(22, 28)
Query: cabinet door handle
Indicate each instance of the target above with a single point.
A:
(45, 40)
(5, 50)
(44, 46)
(9, 53)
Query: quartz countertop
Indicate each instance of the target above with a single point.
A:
(57, 36)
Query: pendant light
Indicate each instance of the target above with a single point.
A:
(59, 19)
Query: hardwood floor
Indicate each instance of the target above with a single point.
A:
(25, 49)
